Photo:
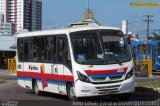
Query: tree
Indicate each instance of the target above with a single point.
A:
(156, 36)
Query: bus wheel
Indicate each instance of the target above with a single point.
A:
(35, 88)
(71, 93)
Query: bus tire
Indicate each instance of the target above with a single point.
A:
(70, 93)
(35, 88)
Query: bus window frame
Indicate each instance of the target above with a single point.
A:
(22, 59)
(42, 37)
(64, 36)
(26, 38)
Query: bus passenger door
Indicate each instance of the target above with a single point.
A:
(26, 58)
(60, 66)
(20, 64)
(59, 71)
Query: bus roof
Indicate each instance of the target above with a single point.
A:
(64, 31)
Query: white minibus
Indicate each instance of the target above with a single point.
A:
(77, 61)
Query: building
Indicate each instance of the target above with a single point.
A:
(5, 51)
(25, 14)
(1, 18)
(36, 15)
(3, 10)
(6, 28)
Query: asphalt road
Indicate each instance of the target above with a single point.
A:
(12, 93)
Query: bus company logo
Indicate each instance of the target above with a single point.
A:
(107, 79)
(120, 70)
(33, 67)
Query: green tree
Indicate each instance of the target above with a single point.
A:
(156, 36)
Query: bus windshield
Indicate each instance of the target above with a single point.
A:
(96, 47)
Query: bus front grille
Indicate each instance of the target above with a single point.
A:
(115, 77)
(110, 92)
(108, 87)
(109, 79)
(113, 88)
(99, 79)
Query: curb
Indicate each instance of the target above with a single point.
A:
(146, 79)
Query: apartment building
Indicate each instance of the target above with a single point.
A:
(24, 14)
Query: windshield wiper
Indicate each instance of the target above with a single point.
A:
(117, 60)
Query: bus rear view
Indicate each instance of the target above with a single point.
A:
(102, 63)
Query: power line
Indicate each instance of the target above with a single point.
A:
(134, 18)
(148, 20)
(79, 17)
(88, 5)
(135, 22)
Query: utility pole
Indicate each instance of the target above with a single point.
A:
(148, 20)
(88, 5)
(88, 10)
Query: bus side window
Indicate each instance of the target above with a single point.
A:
(26, 49)
(20, 49)
(67, 55)
(49, 51)
(37, 49)
(60, 49)
(45, 45)
(31, 49)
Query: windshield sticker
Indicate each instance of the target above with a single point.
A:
(100, 56)
(81, 57)
(108, 52)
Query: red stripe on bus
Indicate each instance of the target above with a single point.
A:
(45, 75)
(114, 71)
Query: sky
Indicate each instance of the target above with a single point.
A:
(60, 13)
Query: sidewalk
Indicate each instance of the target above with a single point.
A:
(143, 77)
(146, 79)
(4, 74)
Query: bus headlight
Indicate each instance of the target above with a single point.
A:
(129, 74)
(83, 77)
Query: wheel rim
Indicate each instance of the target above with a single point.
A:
(72, 93)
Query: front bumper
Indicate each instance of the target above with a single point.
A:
(83, 89)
